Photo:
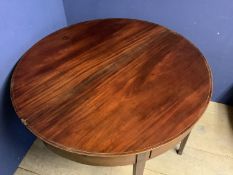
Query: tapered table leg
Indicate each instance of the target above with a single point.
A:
(182, 145)
(138, 167)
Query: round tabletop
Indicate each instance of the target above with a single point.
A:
(111, 86)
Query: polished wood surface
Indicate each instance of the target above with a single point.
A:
(111, 87)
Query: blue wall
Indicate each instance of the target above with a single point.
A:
(22, 23)
(207, 23)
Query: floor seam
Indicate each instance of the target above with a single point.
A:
(216, 154)
(28, 170)
(155, 171)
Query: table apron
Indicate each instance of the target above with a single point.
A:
(116, 160)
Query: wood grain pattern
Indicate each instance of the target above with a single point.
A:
(111, 87)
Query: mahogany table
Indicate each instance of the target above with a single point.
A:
(111, 92)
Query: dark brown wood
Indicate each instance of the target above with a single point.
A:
(182, 145)
(111, 87)
(106, 160)
(113, 160)
(138, 167)
(169, 145)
